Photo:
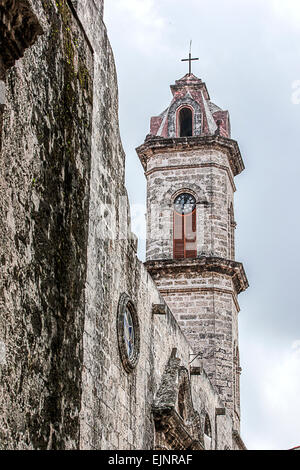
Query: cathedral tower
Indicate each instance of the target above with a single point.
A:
(190, 162)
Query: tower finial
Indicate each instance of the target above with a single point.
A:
(190, 59)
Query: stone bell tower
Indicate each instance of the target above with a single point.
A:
(190, 162)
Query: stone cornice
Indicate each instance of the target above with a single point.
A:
(199, 265)
(154, 145)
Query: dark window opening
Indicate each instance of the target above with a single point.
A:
(207, 427)
(232, 226)
(185, 122)
(181, 406)
(236, 380)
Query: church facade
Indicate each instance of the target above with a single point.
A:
(99, 350)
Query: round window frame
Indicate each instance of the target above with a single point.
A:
(129, 364)
(184, 193)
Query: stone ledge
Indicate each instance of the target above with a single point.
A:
(159, 309)
(196, 370)
(154, 145)
(235, 270)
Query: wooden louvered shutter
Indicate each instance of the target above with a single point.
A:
(178, 236)
(190, 239)
(185, 238)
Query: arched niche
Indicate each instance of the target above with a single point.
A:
(185, 120)
(183, 103)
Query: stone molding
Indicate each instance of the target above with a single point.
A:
(129, 364)
(177, 188)
(173, 110)
(199, 265)
(154, 145)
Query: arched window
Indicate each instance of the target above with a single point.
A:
(184, 233)
(231, 230)
(207, 433)
(207, 426)
(185, 122)
(236, 384)
(181, 401)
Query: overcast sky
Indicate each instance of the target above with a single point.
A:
(250, 60)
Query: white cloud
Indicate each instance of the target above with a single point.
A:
(289, 11)
(282, 388)
(139, 22)
(143, 11)
(296, 345)
(277, 385)
(138, 220)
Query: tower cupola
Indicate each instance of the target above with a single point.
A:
(191, 113)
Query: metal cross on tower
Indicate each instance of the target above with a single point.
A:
(190, 59)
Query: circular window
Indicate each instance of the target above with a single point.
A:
(128, 333)
(185, 203)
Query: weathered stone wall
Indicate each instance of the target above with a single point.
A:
(44, 203)
(206, 309)
(206, 398)
(116, 411)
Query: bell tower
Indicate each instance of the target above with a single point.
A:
(190, 162)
